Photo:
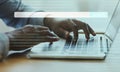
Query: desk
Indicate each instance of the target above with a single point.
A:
(20, 63)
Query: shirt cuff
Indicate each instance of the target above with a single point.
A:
(4, 46)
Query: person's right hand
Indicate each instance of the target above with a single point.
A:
(62, 27)
(28, 36)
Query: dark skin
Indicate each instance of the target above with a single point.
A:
(63, 27)
(32, 35)
(28, 36)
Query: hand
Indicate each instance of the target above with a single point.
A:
(28, 36)
(63, 27)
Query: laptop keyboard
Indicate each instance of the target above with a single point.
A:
(94, 45)
(82, 46)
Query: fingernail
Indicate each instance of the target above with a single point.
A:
(94, 34)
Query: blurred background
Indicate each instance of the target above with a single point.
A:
(98, 24)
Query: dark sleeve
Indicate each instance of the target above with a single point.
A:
(8, 7)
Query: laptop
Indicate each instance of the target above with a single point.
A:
(96, 48)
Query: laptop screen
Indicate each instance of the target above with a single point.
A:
(108, 25)
(97, 23)
(114, 23)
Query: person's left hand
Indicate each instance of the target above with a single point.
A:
(62, 27)
(29, 36)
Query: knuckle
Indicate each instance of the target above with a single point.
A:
(28, 29)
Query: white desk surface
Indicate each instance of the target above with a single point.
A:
(19, 63)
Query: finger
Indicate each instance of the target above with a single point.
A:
(48, 39)
(36, 39)
(19, 44)
(86, 31)
(82, 25)
(39, 28)
(74, 29)
(31, 28)
(91, 31)
(46, 33)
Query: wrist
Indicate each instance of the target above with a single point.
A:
(48, 22)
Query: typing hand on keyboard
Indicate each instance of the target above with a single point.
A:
(63, 27)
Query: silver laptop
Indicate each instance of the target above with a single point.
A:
(96, 48)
